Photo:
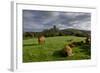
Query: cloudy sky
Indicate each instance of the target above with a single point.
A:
(36, 21)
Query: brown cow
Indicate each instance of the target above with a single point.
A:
(88, 40)
(41, 39)
(68, 50)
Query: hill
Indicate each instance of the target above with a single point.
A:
(56, 32)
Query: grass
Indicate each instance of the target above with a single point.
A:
(51, 50)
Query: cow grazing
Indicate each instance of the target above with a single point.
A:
(88, 40)
(41, 39)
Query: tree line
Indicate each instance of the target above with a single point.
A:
(56, 32)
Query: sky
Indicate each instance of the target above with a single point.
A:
(37, 21)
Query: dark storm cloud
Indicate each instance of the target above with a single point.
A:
(38, 20)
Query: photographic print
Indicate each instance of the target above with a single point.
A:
(52, 36)
(55, 35)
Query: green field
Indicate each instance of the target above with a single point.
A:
(50, 51)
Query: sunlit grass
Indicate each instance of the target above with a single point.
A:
(50, 51)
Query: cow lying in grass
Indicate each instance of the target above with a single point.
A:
(41, 39)
(67, 50)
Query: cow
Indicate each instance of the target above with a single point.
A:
(68, 50)
(41, 39)
(88, 40)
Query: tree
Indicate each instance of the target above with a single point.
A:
(51, 32)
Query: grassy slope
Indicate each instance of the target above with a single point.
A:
(50, 51)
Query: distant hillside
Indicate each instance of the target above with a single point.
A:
(56, 32)
(76, 32)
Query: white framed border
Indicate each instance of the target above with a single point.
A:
(16, 51)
